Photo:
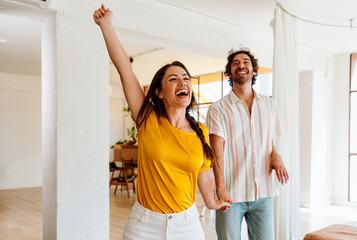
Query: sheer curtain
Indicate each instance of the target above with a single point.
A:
(286, 93)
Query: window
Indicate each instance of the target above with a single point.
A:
(353, 131)
(208, 89)
(212, 87)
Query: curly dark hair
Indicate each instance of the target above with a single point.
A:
(153, 103)
(230, 58)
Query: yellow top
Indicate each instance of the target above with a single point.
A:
(169, 161)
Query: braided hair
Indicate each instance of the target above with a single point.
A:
(195, 126)
(153, 103)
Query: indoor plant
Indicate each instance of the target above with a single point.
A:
(131, 132)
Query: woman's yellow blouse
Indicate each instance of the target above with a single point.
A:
(169, 161)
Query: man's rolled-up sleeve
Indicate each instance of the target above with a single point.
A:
(214, 121)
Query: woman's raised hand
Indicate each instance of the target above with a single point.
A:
(134, 94)
(102, 15)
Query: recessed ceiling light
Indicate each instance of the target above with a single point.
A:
(3, 41)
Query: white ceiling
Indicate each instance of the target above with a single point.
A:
(257, 14)
(22, 53)
(23, 50)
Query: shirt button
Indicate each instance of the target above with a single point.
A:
(170, 217)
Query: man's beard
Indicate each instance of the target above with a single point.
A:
(240, 80)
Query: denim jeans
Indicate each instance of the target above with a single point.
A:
(259, 216)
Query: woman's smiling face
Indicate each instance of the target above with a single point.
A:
(176, 88)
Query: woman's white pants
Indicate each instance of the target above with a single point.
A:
(144, 224)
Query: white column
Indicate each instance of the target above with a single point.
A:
(49, 129)
(75, 117)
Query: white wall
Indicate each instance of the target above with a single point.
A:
(341, 118)
(316, 128)
(305, 125)
(20, 128)
(322, 148)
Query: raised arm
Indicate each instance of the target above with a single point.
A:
(217, 145)
(134, 94)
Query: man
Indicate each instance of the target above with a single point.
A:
(242, 127)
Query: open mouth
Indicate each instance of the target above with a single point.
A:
(242, 73)
(182, 93)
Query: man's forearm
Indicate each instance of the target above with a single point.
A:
(219, 174)
(217, 144)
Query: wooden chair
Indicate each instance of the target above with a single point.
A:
(125, 176)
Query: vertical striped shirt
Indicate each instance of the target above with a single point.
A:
(248, 144)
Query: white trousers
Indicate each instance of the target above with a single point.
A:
(144, 224)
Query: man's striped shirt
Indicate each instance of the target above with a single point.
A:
(248, 144)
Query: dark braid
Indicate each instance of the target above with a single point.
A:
(206, 148)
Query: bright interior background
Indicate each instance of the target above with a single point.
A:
(324, 75)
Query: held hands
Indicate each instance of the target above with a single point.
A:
(224, 197)
(277, 164)
(219, 204)
(102, 15)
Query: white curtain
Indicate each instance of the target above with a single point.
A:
(286, 93)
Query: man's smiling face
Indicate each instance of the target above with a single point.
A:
(241, 69)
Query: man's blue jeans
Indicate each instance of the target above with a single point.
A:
(259, 216)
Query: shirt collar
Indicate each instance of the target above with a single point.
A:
(233, 97)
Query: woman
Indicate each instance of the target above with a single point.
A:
(173, 153)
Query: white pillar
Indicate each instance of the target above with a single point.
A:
(49, 130)
(75, 115)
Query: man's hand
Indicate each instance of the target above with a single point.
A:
(102, 15)
(205, 184)
(223, 195)
(277, 164)
(219, 204)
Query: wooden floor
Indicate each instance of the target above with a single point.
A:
(21, 215)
